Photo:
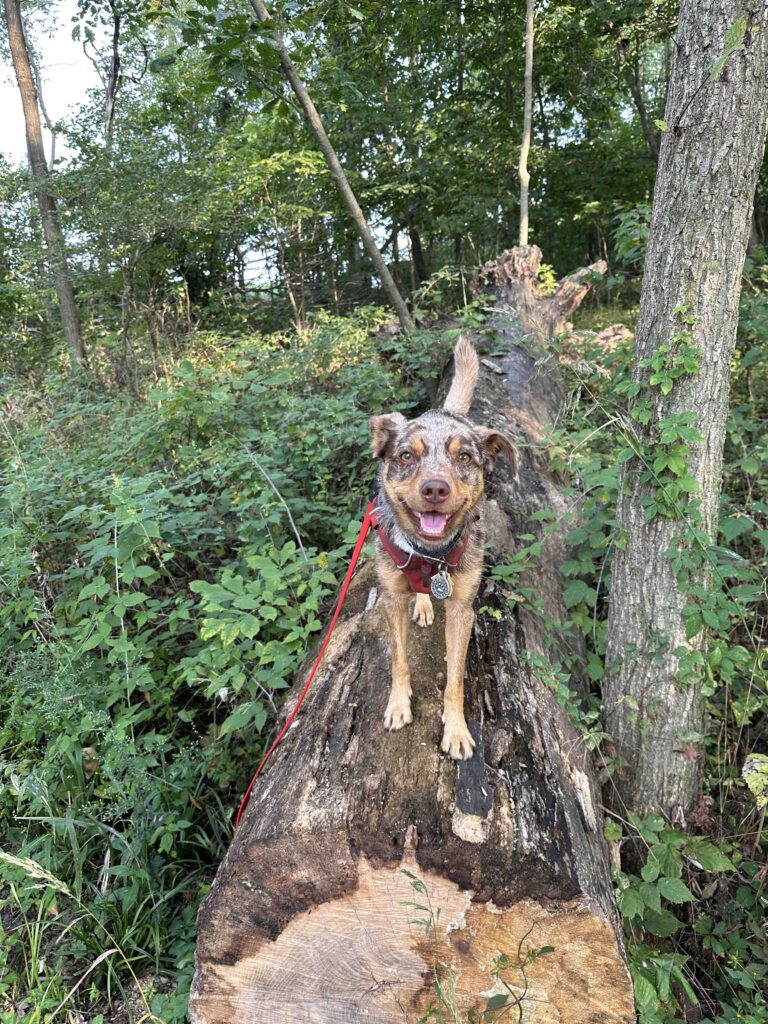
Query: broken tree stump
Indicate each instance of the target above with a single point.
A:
(368, 862)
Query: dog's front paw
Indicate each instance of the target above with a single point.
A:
(457, 739)
(423, 612)
(398, 712)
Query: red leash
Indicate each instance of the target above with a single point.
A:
(344, 588)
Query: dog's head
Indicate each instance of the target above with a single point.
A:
(433, 470)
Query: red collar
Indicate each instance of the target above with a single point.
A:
(419, 569)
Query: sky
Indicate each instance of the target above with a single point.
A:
(67, 75)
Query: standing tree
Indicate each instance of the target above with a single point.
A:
(54, 238)
(337, 171)
(709, 161)
(522, 167)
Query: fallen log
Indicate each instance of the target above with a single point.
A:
(354, 833)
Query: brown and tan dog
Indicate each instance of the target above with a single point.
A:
(430, 534)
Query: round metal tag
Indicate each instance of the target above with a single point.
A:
(441, 585)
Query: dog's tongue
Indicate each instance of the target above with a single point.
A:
(433, 522)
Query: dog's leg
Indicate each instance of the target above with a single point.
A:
(398, 712)
(423, 612)
(459, 620)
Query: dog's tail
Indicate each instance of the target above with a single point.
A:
(466, 367)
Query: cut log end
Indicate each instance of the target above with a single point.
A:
(374, 954)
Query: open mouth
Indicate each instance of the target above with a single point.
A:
(432, 524)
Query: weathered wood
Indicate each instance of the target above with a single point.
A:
(308, 917)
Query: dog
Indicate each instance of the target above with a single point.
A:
(428, 520)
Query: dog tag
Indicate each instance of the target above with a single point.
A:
(441, 585)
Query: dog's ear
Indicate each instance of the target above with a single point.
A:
(383, 430)
(495, 444)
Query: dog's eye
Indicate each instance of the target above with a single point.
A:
(406, 456)
(465, 457)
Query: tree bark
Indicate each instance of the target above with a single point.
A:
(337, 171)
(708, 165)
(417, 254)
(522, 168)
(54, 239)
(308, 919)
(634, 83)
(112, 84)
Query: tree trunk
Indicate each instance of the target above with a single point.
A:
(417, 254)
(708, 166)
(634, 83)
(54, 238)
(308, 919)
(112, 84)
(522, 167)
(337, 171)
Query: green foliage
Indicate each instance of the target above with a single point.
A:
(173, 522)
(692, 905)
(631, 234)
(167, 563)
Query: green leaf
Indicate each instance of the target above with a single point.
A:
(252, 711)
(497, 1002)
(612, 831)
(576, 591)
(96, 588)
(708, 856)
(651, 895)
(733, 43)
(662, 923)
(669, 859)
(645, 993)
(650, 870)
(675, 890)
(416, 882)
(165, 61)
(630, 903)
(654, 823)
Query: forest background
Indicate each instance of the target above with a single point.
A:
(175, 513)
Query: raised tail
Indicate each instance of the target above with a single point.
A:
(466, 367)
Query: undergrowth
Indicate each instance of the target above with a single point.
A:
(167, 560)
(693, 905)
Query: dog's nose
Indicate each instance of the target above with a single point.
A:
(435, 490)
